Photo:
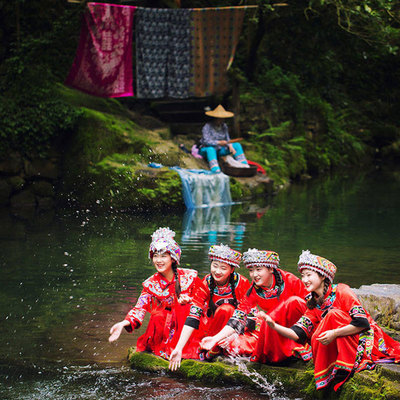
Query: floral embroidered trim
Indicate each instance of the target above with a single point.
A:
(138, 312)
(305, 324)
(303, 352)
(382, 346)
(195, 312)
(357, 312)
(269, 293)
(238, 321)
(160, 287)
(186, 277)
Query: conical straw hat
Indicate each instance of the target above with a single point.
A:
(220, 112)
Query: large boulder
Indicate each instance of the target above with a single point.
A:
(43, 168)
(12, 165)
(383, 303)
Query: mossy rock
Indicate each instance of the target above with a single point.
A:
(294, 379)
(123, 186)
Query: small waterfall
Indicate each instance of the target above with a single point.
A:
(203, 188)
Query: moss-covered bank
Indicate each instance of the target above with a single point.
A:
(102, 163)
(105, 160)
(293, 380)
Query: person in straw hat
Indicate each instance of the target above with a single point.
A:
(215, 141)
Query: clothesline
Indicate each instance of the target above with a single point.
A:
(180, 53)
(193, 9)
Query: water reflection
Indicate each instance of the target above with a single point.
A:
(212, 225)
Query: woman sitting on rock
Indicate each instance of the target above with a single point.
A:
(215, 141)
(344, 338)
(274, 291)
(214, 303)
(166, 295)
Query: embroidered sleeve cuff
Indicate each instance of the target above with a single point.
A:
(236, 325)
(251, 324)
(360, 322)
(300, 333)
(192, 322)
(133, 325)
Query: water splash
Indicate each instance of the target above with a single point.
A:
(269, 389)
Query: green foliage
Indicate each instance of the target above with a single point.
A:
(32, 114)
(282, 91)
(284, 157)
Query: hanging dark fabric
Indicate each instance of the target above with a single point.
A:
(163, 52)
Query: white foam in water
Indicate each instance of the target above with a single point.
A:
(268, 388)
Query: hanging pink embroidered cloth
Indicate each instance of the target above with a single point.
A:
(103, 62)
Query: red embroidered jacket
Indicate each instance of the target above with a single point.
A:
(267, 299)
(222, 295)
(339, 296)
(159, 293)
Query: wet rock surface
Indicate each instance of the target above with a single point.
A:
(383, 303)
(296, 379)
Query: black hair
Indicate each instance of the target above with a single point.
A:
(232, 282)
(250, 289)
(211, 305)
(278, 280)
(314, 301)
(177, 283)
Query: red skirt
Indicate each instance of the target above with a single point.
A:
(210, 326)
(274, 348)
(349, 354)
(163, 332)
(243, 345)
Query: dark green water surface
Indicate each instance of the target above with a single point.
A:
(66, 279)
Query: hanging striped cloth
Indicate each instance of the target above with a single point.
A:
(215, 35)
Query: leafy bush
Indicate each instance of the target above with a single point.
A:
(32, 114)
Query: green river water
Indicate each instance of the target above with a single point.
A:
(67, 278)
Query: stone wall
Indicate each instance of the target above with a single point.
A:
(27, 186)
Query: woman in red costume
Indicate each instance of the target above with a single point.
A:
(344, 338)
(274, 291)
(166, 295)
(214, 303)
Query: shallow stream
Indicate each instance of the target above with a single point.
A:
(65, 279)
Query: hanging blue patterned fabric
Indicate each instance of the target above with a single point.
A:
(163, 52)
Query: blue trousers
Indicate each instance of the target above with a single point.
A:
(211, 154)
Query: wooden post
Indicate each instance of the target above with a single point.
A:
(236, 107)
(18, 23)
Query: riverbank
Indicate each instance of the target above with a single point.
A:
(293, 380)
(103, 165)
